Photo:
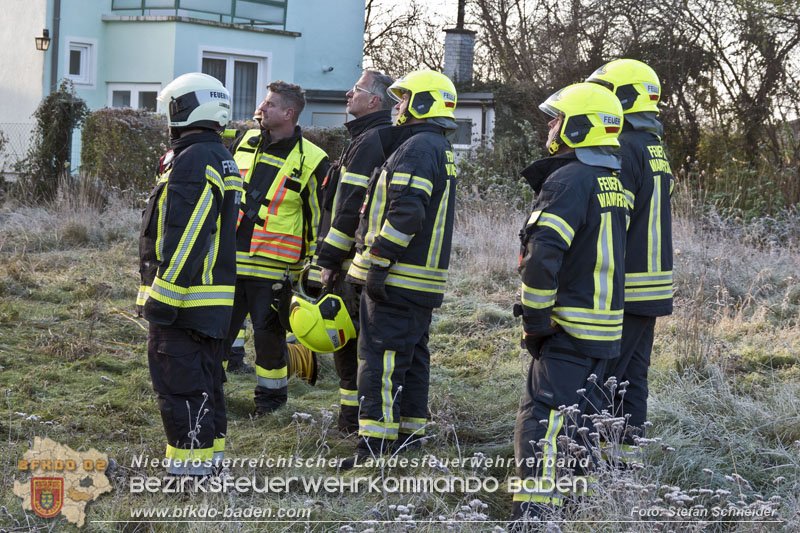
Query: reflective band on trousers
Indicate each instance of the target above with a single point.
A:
(272, 379)
(348, 397)
(372, 428)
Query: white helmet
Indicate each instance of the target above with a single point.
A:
(198, 100)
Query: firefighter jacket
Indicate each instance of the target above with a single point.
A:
(407, 215)
(280, 209)
(345, 187)
(572, 254)
(186, 245)
(648, 261)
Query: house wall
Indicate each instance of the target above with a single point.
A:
(23, 64)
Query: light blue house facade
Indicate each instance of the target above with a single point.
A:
(122, 52)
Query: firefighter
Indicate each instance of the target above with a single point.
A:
(277, 230)
(187, 262)
(648, 261)
(403, 251)
(344, 190)
(571, 265)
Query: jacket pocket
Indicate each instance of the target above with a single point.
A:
(389, 326)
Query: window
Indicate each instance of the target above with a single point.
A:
(136, 95)
(463, 133)
(81, 60)
(241, 74)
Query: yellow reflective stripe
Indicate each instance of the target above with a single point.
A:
(219, 444)
(554, 424)
(277, 378)
(386, 386)
(376, 209)
(654, 227)
(558, 224)
(374, 428)
(594, 332)
(352, 178)
(144, 293)
(422, 184)
(264, 267)
(391, 234)
(271, 160)
(339, 239)
(197, 454)
(214, 178)
(162, 221)
(233, 183)
(195, 296)
(604, 265)
(403, 275)
(437, 237)
(538, 298)
(556, 499)
(316, 214)
(534, 217)
(275, 373)
(348, 397)
(591, 316)
(400, 179)
(189, 236)
(648, 278)
(211, 256)
(648, 293)
(630, 196)
(413, 425)
(225, 365)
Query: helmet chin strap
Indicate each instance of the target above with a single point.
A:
(402, 118)
(554, 147)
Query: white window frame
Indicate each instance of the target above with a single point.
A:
(135, 89)
(261, 58)
(88, 78)
(471, 131)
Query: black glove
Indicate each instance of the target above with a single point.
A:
(533, 341)
(376, 279)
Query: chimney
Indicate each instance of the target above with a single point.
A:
(459, 50)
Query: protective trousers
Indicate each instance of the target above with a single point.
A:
(346, 361)
(632, 366)
(554, 378)
(186, 371)
(394, 373)
(269, 340)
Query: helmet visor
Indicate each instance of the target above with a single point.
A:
(549, 110)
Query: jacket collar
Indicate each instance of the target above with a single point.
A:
(182, 143)
(359, 125)
(287, 142)
(393, 137)
(537, 172)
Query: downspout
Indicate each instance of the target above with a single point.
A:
(54, 57)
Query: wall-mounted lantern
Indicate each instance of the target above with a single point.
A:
(43, 42)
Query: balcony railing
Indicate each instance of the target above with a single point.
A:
(252, 12)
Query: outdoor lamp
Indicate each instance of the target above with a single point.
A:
(43, 42)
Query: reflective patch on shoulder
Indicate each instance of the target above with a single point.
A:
(534, 217)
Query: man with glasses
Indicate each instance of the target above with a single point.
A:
(344, 189)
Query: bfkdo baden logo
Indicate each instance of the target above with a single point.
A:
(62, 480)
(47, 495)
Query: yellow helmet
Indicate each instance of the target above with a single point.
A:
(432, 94)
(635, 84)
(322, 325)
(592, 116)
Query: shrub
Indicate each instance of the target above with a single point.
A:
(48, 157)
(332, 140)
(121, 146)
(491, 173)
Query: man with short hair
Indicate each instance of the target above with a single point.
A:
(277, 230)
(344, 189)
(187, 263)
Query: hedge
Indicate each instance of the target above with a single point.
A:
(121, 146)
